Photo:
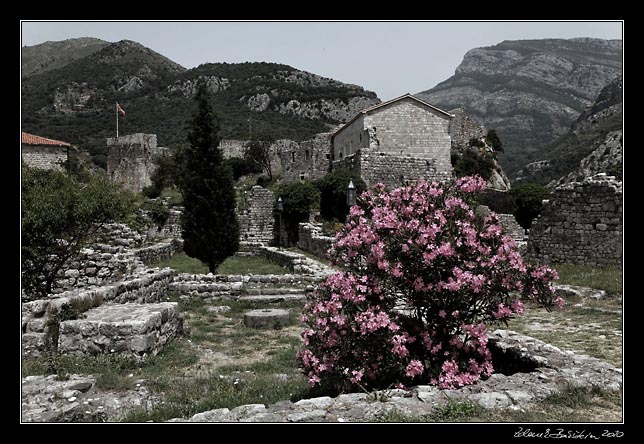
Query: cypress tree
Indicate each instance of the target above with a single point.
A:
(209, 223)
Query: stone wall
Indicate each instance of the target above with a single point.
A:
(232, 148)
(130, 160)
(160, 251)
(462, 128)
(144, 287)
(306, 160)
(46, 158)
(235, 148)
(511, 226)
(256, 219)
(312, 240)
(582, 223)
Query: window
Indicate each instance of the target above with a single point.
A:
(328, 156)
(293, 156)
(306, 155)
(302, 176)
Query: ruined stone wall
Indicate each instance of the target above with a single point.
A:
(306, 160)
(232, 148)
(158, 252)
(256, 219)
(582, 223)
(130, 160)
(144, 287)
(462, 128)
(511, 226)
(312, 240)
(235, 148)
(351, 139)
(46, 158)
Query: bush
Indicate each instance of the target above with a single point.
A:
(498, 201)
(242, 167)
(423, 246)
(299, 198)
(527, 200)
(493, 140)
(473, 163)
(333, 193)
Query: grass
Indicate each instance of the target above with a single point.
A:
(608, 279)
(182, 263)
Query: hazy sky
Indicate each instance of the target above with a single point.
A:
(390, 58)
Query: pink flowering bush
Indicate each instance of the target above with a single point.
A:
(423, 277)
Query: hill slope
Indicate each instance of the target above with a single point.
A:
(592, 145)
(530, 91)
(75, 103)
(53, 55)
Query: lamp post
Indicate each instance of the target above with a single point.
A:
(280, 208)
(351, 194)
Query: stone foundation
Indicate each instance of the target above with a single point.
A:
(256, 220)
(136, 330)
(37, 330)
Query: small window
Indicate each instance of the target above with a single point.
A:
(328, 156)
(306, 155)
(293, 156)
(340, 155)
(302, 176)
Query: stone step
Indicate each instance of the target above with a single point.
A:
(273, 291)
(272, 299)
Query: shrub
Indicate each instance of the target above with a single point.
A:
(242, 167)
(333, 193)
(528, 199)
(423, 246)
(299, 198)
(493, 140)
(473, 163)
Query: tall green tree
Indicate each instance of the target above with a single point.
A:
(258, 150)
(59, 217)
(209, 223)
(528, 198)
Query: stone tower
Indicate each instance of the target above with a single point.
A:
(130, 160)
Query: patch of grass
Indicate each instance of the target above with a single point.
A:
(608, 279)
(175, 196)
(398, 416)
(183, 263)
(455, 411)
(324, 260)
(250, 265)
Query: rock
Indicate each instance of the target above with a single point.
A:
(218, 309)
(321, 403)
(267, 318)
(310, 416)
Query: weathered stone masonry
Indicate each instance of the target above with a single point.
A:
(256, 218)
(130, 160)
(581, 224)
(395, 142)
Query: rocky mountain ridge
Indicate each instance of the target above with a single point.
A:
(530, 91)
(75, 102)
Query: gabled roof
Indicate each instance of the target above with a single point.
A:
(380, 105)
(30, 139)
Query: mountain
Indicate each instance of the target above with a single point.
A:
(594, 143)
(530, 91)
(52, 55)
(76, 102)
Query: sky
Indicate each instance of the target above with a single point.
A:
(390, 58)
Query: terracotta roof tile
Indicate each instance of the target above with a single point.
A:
(30, 139)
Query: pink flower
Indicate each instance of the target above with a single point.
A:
(414, 368)
(559, 302)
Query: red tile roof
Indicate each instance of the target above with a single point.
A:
(30, 139)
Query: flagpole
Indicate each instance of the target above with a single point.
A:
(117, 121)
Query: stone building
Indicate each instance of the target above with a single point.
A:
(306, 160)
(40, 152)
(394, 142)
(130, 160)
(582, 223)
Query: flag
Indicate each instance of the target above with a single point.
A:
(119, 109)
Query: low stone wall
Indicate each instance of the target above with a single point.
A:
(312, 240)
(39, 318)
(582, 223)
(209, 286)
(136, 330)
(550, 370)
(296, 262)
(157, 252)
